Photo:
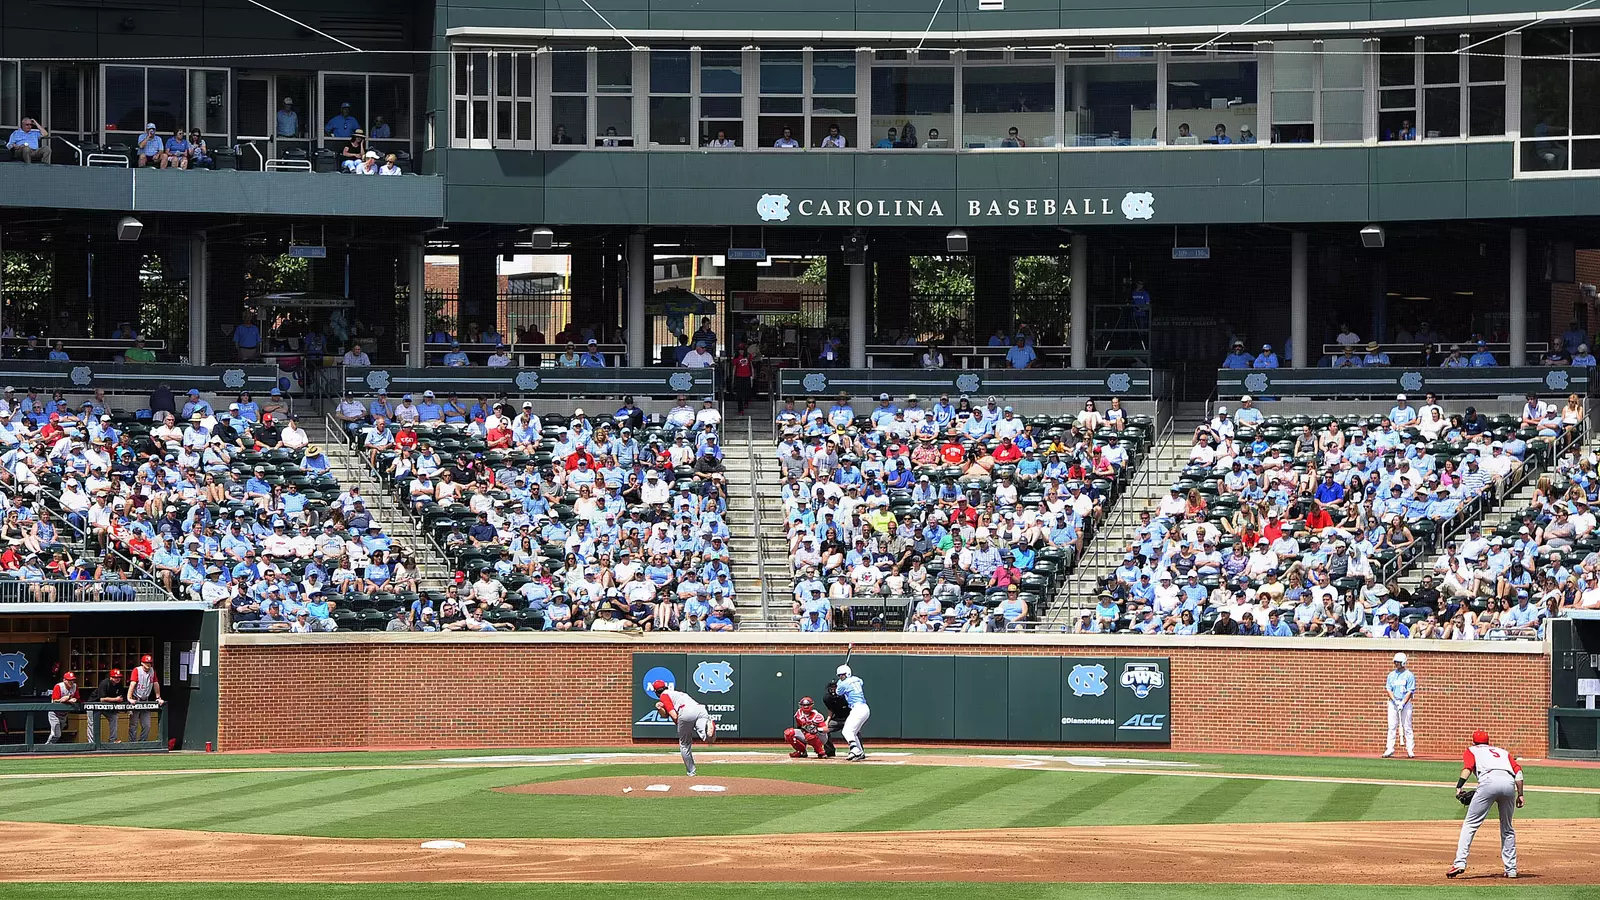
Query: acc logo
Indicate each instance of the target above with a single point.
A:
(528, 381)
(1139, 205)
(1255, 382)
(1142, 678)
(773, 207)
(81, 375)
(1556, 381)
(1411, 381)
(968, 383)
(1144, 722)
(681, 381)
(814, 382)
(658, 674)
(714, 677)
(1118, 382)
(233, 379)
(378, 380)
(1088, 681)
(13, 668)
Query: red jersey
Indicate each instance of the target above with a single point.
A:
(804, 717)
(1483, 759)
(406, 439)
(1007, 453)
(952, 453)
(743, 367)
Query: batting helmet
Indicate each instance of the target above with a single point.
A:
(843, 672)
(805, 703)
(658, 685)
(1480, 736)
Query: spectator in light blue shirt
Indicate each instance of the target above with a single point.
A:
(1276, 626)
(25, 143)
(592, 358)
(1020, 356)
(1266, 359)
(288, 119)
(1482, 359)
(1237, 358)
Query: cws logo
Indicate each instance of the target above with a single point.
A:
(714, 677)
(1088, 681)
(1142, 678)
(1144, 722)
(654, 717)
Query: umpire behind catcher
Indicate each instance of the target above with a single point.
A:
(838, 711)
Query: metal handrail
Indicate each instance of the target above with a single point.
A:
(257, 151)
(755, 516)
(333, 426)
(1090, 564)
(78, 151)
(66, 590)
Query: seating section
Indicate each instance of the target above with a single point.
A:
(1305, 526)
(559, 522)
(943, 517)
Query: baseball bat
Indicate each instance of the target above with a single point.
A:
(849, 649)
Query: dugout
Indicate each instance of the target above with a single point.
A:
(1575, 686)
(38, 646)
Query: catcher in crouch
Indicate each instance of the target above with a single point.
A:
(810, 729)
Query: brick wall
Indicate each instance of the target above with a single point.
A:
(1271, 696)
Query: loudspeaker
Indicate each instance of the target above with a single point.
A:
(1372, 237)
(129, 228)
(542, 238)
(956, 241)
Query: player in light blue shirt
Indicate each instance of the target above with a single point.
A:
(854, 693)
(1400, 686)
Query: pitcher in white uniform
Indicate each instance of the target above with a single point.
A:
(693, 720)
(854, 692)
(1499, 784)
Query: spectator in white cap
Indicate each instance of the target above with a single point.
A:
(1402, 413)
(1247, 413)
(1266, 359)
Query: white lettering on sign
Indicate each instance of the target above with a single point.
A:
(1133, 205)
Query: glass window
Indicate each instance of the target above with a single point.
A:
(833, 97)
(1343, 85)
(669, 99)
(613, 122)
(1211, 102)
(1121, 105)
(569, 101)
(783, 81)
(1293, 77)
(389, 103)
(721, 106)
(919, 102)
(1397, 89)
(1546, 99)
(471, 99)
(1486, 90)
(1441, 92)
(614, 72)
(168, 97)
(1008, 106)
(9, 115)
(669, 71)
(1585, 90)
(65, 109)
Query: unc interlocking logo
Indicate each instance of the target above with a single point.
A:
(1255, 382)
(714, 677)
(1088, 681)
(378, 380)
(968, 383)
(1556, 380)
(1411, 381)
(814, 382)
(233, 379)
(773, 207)
(13, 668)
(1119, 382)
(1142, 678)
(81, 375)
(1138, 205)
(528, 380)
(681, 381)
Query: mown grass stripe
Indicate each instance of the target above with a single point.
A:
(847, 812)
(119, 802)
(1213, 804)
(275, 797)
(938, 801)
(323, 817)
(1092, 792)
(1004, 792)
(1347, 802)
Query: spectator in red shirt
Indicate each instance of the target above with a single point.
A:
(1007, 452)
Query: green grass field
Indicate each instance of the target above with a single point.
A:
(414, 801)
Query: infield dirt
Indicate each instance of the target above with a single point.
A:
(1553, 852)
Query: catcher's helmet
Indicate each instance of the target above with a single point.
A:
(805, 703)
(1480, 736)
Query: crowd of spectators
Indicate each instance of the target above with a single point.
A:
(1423, 347)
(1293, 526)
(560, 522)
(964, 515)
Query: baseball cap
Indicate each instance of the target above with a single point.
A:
(145, 659)
(1480, 736)
(115, 673)
(658, 685)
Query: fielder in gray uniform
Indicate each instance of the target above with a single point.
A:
(1499, 784)
(693, 720)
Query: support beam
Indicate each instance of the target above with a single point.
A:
(640, 277)
(1078, 262)
(991, 294)
(1303, 353)
(1517, 294)
(858, 317)
(893, 307)
(416, 304)
(199, 298)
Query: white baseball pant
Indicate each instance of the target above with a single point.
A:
(853, 723)
(1400, 716)
(692, 723)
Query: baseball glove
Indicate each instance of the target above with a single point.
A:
(810, 729)
(1465, 795)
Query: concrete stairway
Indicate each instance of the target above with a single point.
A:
(1159, 469)
(347, 466)
(753, 482)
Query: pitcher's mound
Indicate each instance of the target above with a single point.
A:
(677, 786)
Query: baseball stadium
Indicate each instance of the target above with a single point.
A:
(860, 448)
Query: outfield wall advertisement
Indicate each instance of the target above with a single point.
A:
(1049, 699)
